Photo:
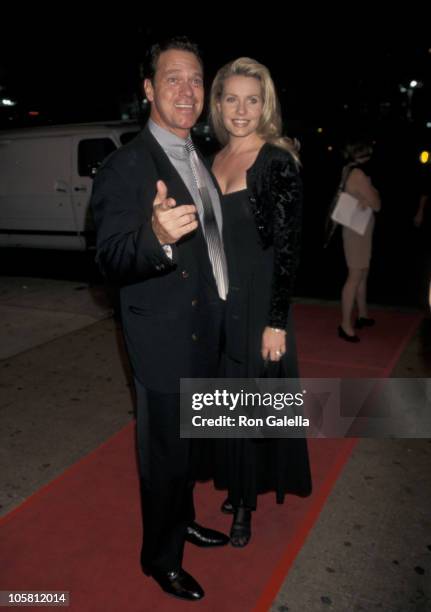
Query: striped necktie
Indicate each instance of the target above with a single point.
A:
(210, 227)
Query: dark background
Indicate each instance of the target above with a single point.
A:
(339, 71)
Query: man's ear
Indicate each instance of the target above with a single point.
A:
(149, 90)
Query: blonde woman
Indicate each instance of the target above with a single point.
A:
(257, 171)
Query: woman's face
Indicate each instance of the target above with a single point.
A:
(241, 105)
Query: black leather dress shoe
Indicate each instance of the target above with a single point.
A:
(178, 583)
(204, 537)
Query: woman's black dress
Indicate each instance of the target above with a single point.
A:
(247, 467)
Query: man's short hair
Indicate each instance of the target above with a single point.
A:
(181, 43)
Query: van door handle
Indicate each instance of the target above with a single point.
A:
(61, 186)
(81, 188)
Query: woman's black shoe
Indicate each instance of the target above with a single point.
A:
(364, 322)
(227, 507)
(342, 334)
(240, 532)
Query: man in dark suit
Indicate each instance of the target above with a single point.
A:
(155, 206)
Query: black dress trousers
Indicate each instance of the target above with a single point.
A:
(166, 478)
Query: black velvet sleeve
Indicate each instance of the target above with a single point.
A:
(283, 189)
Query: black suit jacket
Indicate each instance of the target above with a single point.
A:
(171, 311)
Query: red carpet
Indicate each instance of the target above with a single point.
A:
(81, 533)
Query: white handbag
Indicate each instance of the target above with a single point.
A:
(341, 215)
(347, 212)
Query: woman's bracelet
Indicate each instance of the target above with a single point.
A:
(277, 330)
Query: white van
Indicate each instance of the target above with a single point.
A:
(46, 180)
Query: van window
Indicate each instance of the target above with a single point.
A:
(127, 137)
(91, 153)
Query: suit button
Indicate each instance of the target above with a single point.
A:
(184, 274)
(194, 302)
(253, 200)
(194, 337)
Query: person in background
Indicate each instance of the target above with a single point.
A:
(357, 248)
(422, 223)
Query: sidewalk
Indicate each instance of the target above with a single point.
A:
(65, 390)
(34, 311)
(59, 354)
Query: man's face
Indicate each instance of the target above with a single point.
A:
(176, 93)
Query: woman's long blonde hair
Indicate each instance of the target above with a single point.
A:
(270, 125)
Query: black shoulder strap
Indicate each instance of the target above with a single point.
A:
(332, 225)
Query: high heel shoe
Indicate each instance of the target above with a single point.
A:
(240, 532)
(342, 334)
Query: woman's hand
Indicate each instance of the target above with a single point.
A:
(363, 204)
(273, 343)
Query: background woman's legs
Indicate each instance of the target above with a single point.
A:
(349, 295)
(361, 295)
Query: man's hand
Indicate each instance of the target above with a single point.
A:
(169, 221)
